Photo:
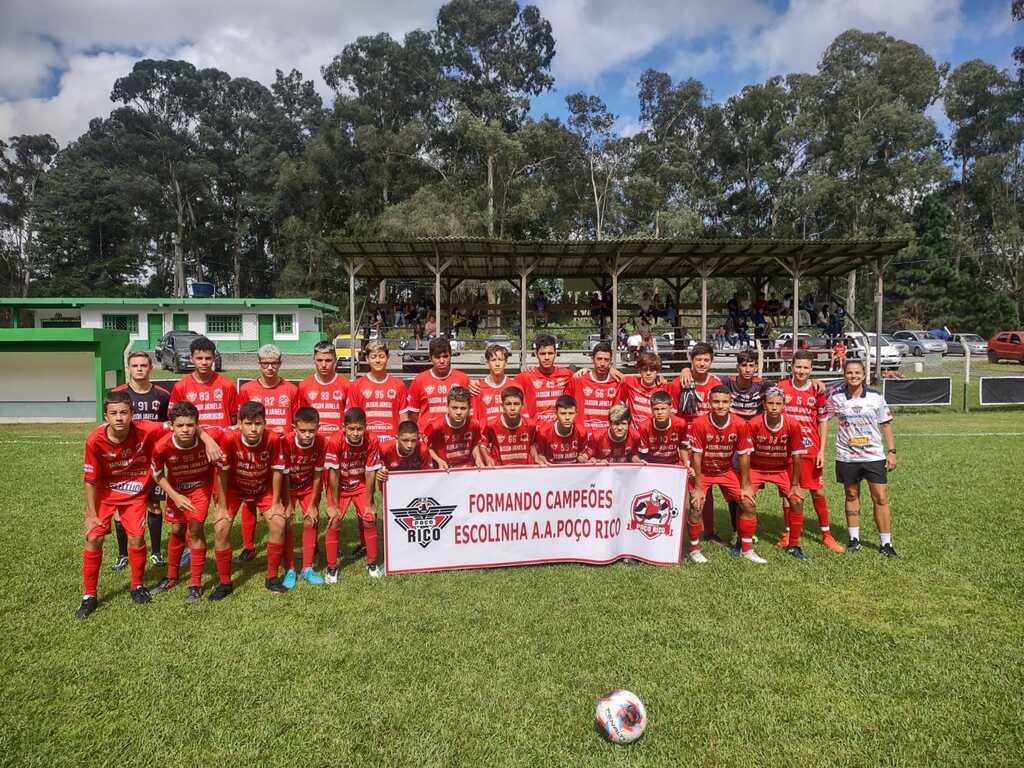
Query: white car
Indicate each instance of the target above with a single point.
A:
(862, 346)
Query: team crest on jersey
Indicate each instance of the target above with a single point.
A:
(283, 400)
(488, 399)
(588, 391)
(611, 391)
(652, 514)
(218, 395)
(192, 396)
(313, 394)
(367, 394)
(501, 438)
(423, 519)
(392, 394)
(429, 389)
(537, 384)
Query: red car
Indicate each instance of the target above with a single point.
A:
(1006, 345)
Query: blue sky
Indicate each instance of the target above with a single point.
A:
(59, 58)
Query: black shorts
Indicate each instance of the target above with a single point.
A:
(852, 472)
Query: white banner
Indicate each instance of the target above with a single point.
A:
(488, 518)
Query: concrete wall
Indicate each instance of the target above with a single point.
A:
(48, 385)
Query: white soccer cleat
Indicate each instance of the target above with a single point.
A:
(753, 557)
(331, 576)
(696, 556)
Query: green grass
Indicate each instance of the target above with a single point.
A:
(843, 660)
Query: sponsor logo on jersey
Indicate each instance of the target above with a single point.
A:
(127, 486)
(423, 519)
(651, 514)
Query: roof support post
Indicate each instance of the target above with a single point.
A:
(704, 304)
(880, 267)
(524, 274)
(352, 267)
(437, 267)
(795, 269)
(615, 269)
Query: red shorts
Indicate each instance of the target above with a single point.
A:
(357, 498)
(131, 513)
(302, 499)
(260, 503)
(779, 478)
(200, 498)
(728, 482)
(812, 478)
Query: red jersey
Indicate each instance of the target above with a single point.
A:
(251, 467)
(774, 447)
(703, 391)
(562, 449)
(352, 461)
(663, 444)
(121, 471)
(216, 400)
(487, 405)
(634, 394)
(603, 448)
(510, 445)
(428, 393)
(303, 461)
(278, 401)
(328, 399)
(453, 444)
(541, 390)
(593, 399)
(808, 409)
(396, 462)
(717, 445)
(186, 468)
(382, 401)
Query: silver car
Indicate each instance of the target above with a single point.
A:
(901, 346)
(500, 340)
(922, 342)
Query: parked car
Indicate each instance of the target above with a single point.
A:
(672, 355)
(922, 342)
(172, 352)
(458, 346)
(786, 340)
(1006, 345)
(862, 347)
(501, 340)
(901, 346)
(971, 341)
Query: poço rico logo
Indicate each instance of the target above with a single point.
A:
(652, 513)
(423, 519)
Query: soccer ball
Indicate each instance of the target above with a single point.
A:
(621, 717)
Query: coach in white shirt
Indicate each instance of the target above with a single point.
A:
(865, 450)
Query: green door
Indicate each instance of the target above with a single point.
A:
(156, 329)
(179, 322)
(266, 329)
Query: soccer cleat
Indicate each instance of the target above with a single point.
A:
(853, 545)
(87, 607)
(887, 550)
(194, 595)
(165, 584)
(120, 564)
(308, 574)
(221, 591)
(274, 585)
(829, 541)
(713, 536)
(244, 556)
(783, 543)
(374, 571)
(331, 576)
(753, 557)
(358, 551)
(735, 550)
(140, 595)
(696, 556)
(797, 553)
(157, 559)
(289, 579)
(186, 558)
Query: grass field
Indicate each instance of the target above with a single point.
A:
(843, 660)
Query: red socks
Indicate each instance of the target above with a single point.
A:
(331, 538)
(288, 557)
(694, 531)
(795, 526)
(248, 527)
(308, 545)
(273, 558)
(90, 571)
(709, 513)
(821, 507)
(198, 564)
(785, 513)
(175, 546)
(368, 528)
(223, 564)
(745, 527)
(137, 561)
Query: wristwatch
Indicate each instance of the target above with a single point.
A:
(892, 451)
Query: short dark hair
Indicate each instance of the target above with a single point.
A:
(252, 410)
(661, 398)
(202, 344)
(745, 356)
(545, 340)
(183, 408)
(118, 397)
(307, 414)
(565, 401)
(508, 392)
(355, 415)
(439, 345)
(702, 348)
(720, 389)
(803, 354)
(458, 395)
(645, 359)
(854, 361)
(601, 346)
(408, 428)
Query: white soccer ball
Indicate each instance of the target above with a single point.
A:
(621, 717)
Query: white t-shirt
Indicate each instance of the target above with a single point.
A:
(859, 437)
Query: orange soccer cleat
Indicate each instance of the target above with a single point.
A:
(829, 541)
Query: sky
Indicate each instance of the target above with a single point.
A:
(59, 58)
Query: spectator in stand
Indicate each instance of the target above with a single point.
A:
(645, 306)
(398, 315)
(720, 338)
(837, 360)
(622, 338)
(430, 326)
(474, 322)
(671, 313)
(540, 304)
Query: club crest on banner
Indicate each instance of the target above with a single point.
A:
(652, 513)
(423, 519)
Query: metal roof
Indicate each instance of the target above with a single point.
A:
(165, 301)
(492, 259)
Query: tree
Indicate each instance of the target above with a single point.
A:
(591, 121)
(23, 166)
(1017, 11)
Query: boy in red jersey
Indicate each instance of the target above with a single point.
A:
(561, 441)
(636, 390)
(510, 437)
(326, 390)
(252, 474)
(406, 453)
(353, 458)
(206, 389)
(277, 395)
(807, 404)
(617, 443)
(715, 439)
(777, 459)
(182, 468)
(379, 394)
(595, 391)
(454, 440)
(306, 449)
(544, 384)
(487, 397)
(664, 435)
(428, 393)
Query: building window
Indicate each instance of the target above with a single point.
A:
(284, 324)
(128, 323)
(224, 324)
(318, 323)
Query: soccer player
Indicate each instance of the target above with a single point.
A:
(251, 474)
(715, 440)
(806, 403)
(665, 435)
(747, 399)
(406, 453)
(206, 389)
(379, 394)
(595, 391)
(545, 384)
(277, 395)
(562, 441)
(864, 420)
(353, 458)
(617, 443)
(182, 467)
(487, 400)
(777, 459)
(510, 437)
(428, 393)
(326, 390)
(454, 440)
(149, 403)
(636, 390)
(306, 451)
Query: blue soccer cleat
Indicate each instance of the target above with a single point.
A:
(288, 582)
(311, 576)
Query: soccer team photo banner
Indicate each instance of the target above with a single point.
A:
(582, 513)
